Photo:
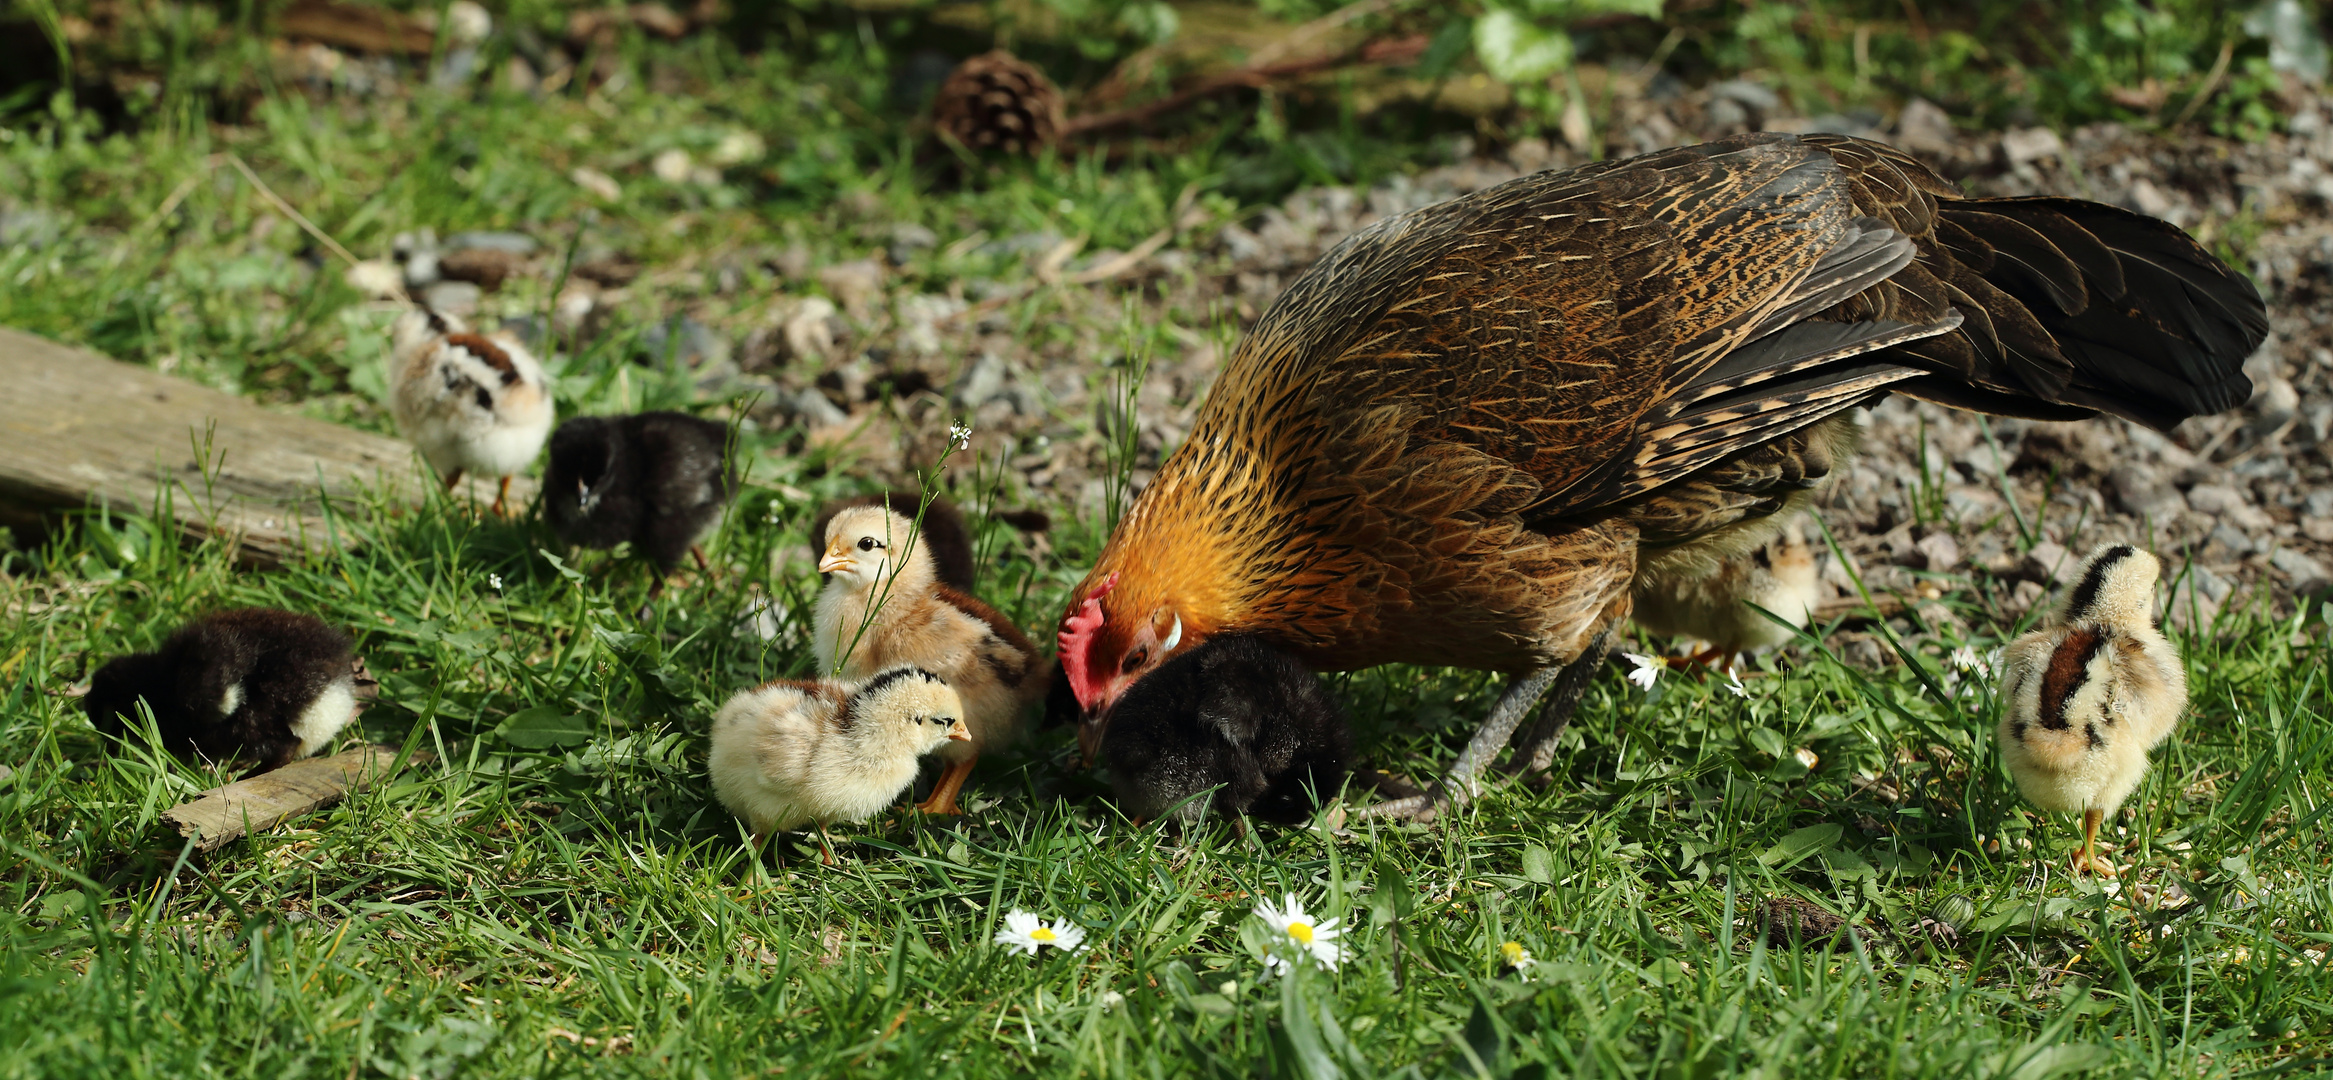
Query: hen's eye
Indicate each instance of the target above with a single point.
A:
(869, 543)
(1134, 660)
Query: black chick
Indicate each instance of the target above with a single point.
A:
(944, 533)
(657, 479)
(250, 685)
(1235, 714)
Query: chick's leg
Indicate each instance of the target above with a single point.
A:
(943, 797)
(2088, 861)
(453, 480)
(502, 499)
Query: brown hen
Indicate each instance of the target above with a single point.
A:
(1463, 434)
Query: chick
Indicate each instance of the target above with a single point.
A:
(657, 479)
(1712, 605)
(786, 754)
(248, 685)
(944, 532)
(472, 403)
(1234, 714)
(2083, 701)
(884, 604)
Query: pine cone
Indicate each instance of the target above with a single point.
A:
(996, 101)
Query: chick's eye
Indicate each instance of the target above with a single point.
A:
(1134, 660)
(869, 543)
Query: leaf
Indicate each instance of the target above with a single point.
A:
(1799, 844)
(1538, 865)
(1516, 50)
(543, 727)
(1392, 898)
(1303, 1027)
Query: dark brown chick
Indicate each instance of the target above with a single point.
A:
(251, 685)
(1462, 436)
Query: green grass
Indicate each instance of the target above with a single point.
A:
(546, 898)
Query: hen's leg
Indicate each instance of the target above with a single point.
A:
(1535, 748)
(943, 797)
(1457, 786)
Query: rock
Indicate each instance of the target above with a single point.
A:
(672, 166)
(2148, 199)
(1749, 95)
(857, 285)
(983, 381)
(2024, 146)
(682, 342)
(2231, 538)
(2215, 499)
(1942, 551)
(2302, 568)
(2139, 489)
(738, 148)
(907, 238)
(2275, 403)
(599, 184)
(2049, 561)
(457, 298)
(509, 243)
(920, 317)
(378, 279)
(810, 332)
(1925, 128)
(812, 410)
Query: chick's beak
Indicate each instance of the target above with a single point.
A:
(957, 732)
(837, 558)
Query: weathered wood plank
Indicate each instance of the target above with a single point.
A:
(248, 806)
(77, 428)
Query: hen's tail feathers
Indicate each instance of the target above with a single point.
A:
(2077, 306)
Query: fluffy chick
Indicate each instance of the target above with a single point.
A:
(788, 754)
(1713, 607)
(472, 403)
(2084, 700)
(656, 479)
(884, 605)
(944, 532)
(1236, 715)
(250, 685)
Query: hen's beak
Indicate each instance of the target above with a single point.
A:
(836, 559)
(1089, 737)
(957, 732)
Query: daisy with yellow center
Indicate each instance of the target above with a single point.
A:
(1024, 931)
(1518, 958)
(1302, 935)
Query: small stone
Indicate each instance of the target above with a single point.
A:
(456, 298)
(812, 409)
(982, 382)
(599, 184)
(1942, 551)
(682, 342)
(1748, 94)
(2024, 146)
(2148, 199)
(2300, 566)
(2215, 499)
(810, 331)
(2138, 489)
(856, 285)
(1924, 128)
(2231, 538)
(509, 243)
(2049, 561)
(378, 279)
(467, 22)
(671, 166)
(737, 148)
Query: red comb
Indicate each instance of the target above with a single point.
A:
(1076, 641)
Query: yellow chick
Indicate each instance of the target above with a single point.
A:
(786, 754)
(1686, 599)
(883, 604)
(2084, 700)
(471, 403)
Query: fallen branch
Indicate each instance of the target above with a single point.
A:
(222, 814)
(1253, 77)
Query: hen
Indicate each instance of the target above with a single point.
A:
(1464, 434)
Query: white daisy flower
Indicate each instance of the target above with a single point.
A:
(1518, 958)
(1965, 658)
(1304, 935)
(1647, 669)
(1733, 682)
(1024, 931)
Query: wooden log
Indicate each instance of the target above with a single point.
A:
(222, 814)
(78, 429)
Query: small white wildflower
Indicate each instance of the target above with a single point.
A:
(1024, 931)
(1111, 999)
(495, 580)
(1518, 958)
(960, 435)
(1733, 682)
(1965, 658)
(1305, 935)
(1647, 669)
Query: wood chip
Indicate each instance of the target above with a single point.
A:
(225, 813)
